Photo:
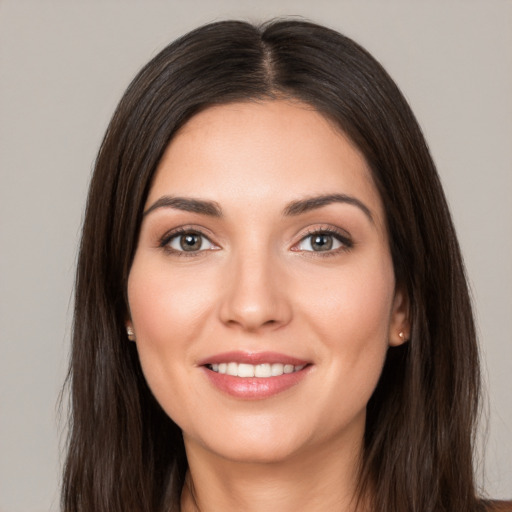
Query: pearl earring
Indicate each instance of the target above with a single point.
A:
(401, 335)
(130, 333)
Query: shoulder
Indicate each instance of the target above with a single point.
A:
(498, 506)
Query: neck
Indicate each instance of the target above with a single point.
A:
(322, 479)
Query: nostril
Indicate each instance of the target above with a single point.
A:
(253, 324)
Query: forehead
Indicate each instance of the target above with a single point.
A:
(265, 152)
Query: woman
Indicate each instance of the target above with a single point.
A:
(271, 307)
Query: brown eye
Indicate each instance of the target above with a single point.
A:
(189, 242)
(323, 241)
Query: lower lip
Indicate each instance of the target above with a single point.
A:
(255, 388)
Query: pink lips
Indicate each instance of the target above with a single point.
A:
(252, 358)
(254, 388)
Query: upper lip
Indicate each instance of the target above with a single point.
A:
(252, 358)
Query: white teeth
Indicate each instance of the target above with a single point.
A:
(232, 369)
(251, 370)
(277, 369)
(263, 370)
(245, 370)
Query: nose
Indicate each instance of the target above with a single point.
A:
(255, 294)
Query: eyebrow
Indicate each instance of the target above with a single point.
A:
(312, 203)
(294, 208)
(186, 204)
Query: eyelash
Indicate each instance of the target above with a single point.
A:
(342, 237)
(168, 237)
(347, 243)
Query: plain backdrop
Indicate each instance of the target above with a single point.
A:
(64, 66)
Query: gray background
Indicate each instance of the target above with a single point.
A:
(63, 67)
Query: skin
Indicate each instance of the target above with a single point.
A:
(257, 285)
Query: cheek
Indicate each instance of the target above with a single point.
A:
(168, 315)
(163, 305)
(351, 314)
(355, 302)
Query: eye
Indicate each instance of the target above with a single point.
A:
(187, 241)
(323, 241)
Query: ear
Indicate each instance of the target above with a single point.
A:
(399, 325)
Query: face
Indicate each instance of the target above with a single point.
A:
(262, 292)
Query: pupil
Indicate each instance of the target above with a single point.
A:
(322, 242)
(190, 242)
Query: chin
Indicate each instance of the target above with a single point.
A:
(256, 452)
(270, 443)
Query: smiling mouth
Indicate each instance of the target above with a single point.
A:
(254, 375)
(264, 370)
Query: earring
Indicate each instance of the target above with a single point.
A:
(401, 335)
(130, 333)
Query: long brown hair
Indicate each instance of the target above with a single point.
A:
(124, 453)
